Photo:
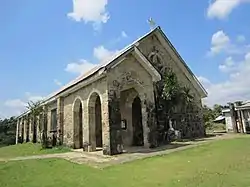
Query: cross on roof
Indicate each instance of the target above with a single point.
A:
(151, 23)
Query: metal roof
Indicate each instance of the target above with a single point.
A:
(111, 59)
(98, 67)
(244, 106)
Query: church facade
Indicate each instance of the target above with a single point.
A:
(114, 105)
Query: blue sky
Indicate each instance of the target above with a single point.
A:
(44, 44)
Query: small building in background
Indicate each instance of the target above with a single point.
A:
(237, 117)
(220, 119)
(228, 120)
(244, 116)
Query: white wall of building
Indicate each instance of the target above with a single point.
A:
(228, 120)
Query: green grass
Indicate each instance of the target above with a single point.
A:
(222, 163)
(27, 149)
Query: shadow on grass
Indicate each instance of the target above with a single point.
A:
(208, 136)
(141, 149)
(174, 145)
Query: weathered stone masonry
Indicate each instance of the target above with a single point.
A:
(135, 73)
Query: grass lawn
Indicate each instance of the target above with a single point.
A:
(27, 149)
(222, 163)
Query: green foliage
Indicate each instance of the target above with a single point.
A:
(171, 89)
(175, 94)
(174, 98)
(186, 96)
(208, 114)
(217, 109)
(8, 131)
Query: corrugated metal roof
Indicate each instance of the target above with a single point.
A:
(245, 105)
(98, 67)
(110, 60)
(219, 118)
(225, 110)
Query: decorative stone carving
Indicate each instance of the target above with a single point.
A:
(126, 78)
(155, 57)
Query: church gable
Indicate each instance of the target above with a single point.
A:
(162, 56)
(129, 72)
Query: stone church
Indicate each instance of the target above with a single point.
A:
(114, 105)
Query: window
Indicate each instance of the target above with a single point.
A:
(53, 120)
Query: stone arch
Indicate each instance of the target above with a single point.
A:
(94, 92)
(131, 112)
(78, 123)
(95, 120)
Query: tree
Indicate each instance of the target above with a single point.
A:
(171, 91)
(175, 95)
(208, 114)
(7, 131)
(186, 97)
(217, 109)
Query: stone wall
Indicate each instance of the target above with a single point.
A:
(100, 87)
(50, 107)
(163, 60)
(128, 74)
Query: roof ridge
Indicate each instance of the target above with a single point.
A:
(101, 65)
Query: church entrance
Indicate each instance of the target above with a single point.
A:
(95, 122)
(98, 122)
(137, 122)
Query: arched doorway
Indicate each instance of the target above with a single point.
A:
(34, 129)
(137, 122)
(95, 121)
(98, 122)
(78, 127)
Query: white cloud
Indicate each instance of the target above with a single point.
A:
(220, 9)
(79, 67)
(15, 103)
(14, 107)
(33, 97)
(221, 43)
(241, 38)
(57, 82)
(93, 11)
(228, 65)
(102, 54)
(124, 34)
(237, 87)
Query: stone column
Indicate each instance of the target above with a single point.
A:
(17, 130)
(21, 130)
(45, 119)
(38, 136)
(25, 129)
(243, 121)
(60, 120)
(146, 129)
(91, 126)
(149, 117)
(105, 125)
(116, 145)
(31, 124)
